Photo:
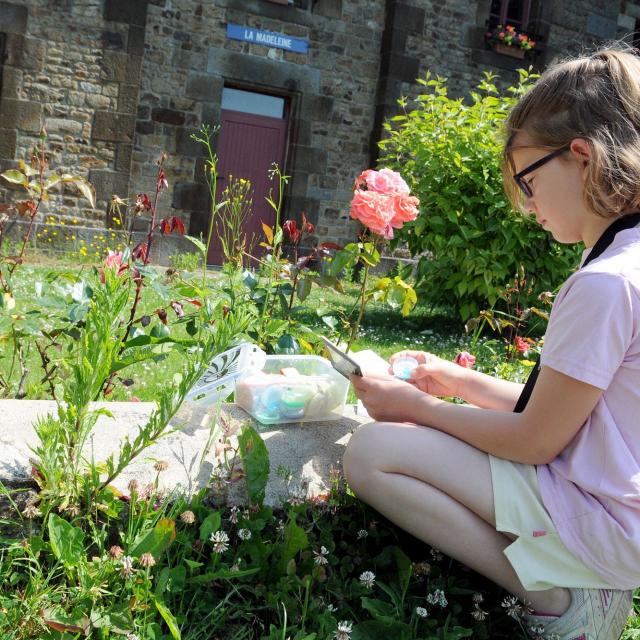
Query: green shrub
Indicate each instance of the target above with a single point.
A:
(470, 240)
(186, 261)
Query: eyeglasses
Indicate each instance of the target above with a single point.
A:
(518, 177)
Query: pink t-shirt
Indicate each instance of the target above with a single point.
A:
(592, 488)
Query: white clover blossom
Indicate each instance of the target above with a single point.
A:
(362, 533)
(421, 612)
(477, 598)
(437, 597)
(513, 607)
(478, 614)
(220, 541)
(127, 566)
(234, 514)
(367, 579)
(244, 534)
(321, 556)
(436, 554)
(344, 630)
(331, 608)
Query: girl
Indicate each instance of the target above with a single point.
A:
(541, 494)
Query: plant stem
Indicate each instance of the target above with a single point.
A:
(363, 302)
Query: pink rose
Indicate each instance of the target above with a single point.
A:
(405, 209)
(374, 211)
(465, 359)
(384, 181)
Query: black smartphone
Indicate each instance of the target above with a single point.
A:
(341, 362)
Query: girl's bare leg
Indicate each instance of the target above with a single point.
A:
(439, 489)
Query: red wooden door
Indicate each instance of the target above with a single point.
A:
(247, 146)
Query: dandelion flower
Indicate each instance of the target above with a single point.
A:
(368, 579)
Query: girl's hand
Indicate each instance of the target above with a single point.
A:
(434, 375)
(386, 398)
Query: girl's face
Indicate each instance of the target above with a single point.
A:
(556, 189)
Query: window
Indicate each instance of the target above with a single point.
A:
(510, 12)
(258, 104)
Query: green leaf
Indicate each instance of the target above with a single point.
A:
(84, 186)
(380, 610)
(198, 243)
(255, 458)
(303, 288)
(156, 541)
(210, 525)
(67, 541)
(295, 540)
(15, 177)
(169, 618)
(345, 258)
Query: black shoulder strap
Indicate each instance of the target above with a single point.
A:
(626, 222)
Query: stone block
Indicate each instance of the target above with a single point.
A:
(167, 116)
(308, 450)
(10, 82)
(132, 70)
(210, 113)
(204, 86)
(394, 40)
(63, 126)
(405, 68)
(13, 18)
(263, 71)
(317, 107)
(328, 8)
(408, 17)
(123, 157)
(128, 98)
(116, 127)
(108, 183)
(112, 40)
(145, 128)
(114, 66)
(8, 138)
(186, 146)
(310, 159)
(135, 41)
(22, 114)
(131, 12)
(192, 196)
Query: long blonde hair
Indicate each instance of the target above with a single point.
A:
(596, 97)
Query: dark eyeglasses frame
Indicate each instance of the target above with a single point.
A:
(518, 177)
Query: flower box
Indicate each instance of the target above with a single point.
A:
(506, 50)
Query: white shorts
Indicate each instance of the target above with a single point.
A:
(538, 556)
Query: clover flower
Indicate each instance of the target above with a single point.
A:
(127, 566)
(437, 597)
(161, 465)
(220, 541)
(362, 534)
(512, 607)
(421, 612)
(147, 560)
(344, 630)
(367, 579)
(478, 614)
(116, 552)
(234, 514)
(244, 534)
(436, 554)
(188, 517)
(321, 556)
(31, 511)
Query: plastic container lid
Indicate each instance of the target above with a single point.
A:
(218, 381)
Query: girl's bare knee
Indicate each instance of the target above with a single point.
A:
(360, 456)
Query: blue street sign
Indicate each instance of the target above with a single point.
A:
(267, 38)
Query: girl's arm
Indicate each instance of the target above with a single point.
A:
(488, 392)
(557, 409)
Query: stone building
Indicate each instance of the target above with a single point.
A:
(305, 83)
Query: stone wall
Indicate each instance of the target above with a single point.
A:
(116, 82)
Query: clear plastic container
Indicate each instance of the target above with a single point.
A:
(293, 389)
